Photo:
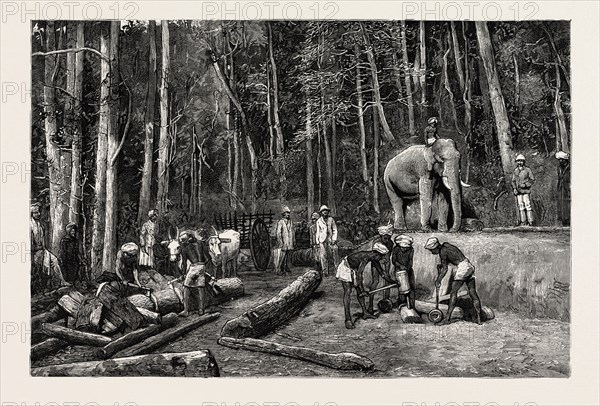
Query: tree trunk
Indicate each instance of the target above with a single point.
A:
(101, 155)
(423, 72)
(448, 88)
(112, 194)
(485, 105)
(517, 84)
(54, 314)
(376, 161)
(467, 96)
(136, 337)
(344, 361)
(163, 143)
(47, 347)
(361, 125)
(280, 159)
(497, 100)
(398, 77)
(310, 181)
(245, 127)
(562, 134)
(56, 158)
(265, 317)
(74, 87)
(146, 186)
(407, 84)
(167, 336)
(334, 149)
(74, 336)
(426, 307)
(194, 364)
(387, 133)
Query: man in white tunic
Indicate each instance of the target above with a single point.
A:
(285, 241)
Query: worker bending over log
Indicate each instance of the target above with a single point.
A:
(350, 272)
(463, 272)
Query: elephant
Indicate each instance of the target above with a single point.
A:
(426, 174)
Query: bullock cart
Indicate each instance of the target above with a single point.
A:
(254, 232)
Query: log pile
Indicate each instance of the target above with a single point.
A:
(120, 326)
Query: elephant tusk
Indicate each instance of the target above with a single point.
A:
(463, 184)
(445, 181)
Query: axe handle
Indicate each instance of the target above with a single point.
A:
(383, 288)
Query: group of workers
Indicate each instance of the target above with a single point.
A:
(392, 263)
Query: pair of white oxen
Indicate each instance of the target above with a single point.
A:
(224, 249)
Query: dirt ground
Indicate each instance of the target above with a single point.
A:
(508, 346)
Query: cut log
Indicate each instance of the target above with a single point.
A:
(152, 343)
(74, 336)
(343, 361)
(47, 347)
(96, 317)
(142, 301)
(167, 301)
(41, 301)
(409, 315)
(153, 280)
(230, 288)
(54, 314)
(108, 327)
(426, 307)
(189, 364)
(136, 336)
(303, 257)
(265, 317)
(149, 316)
(70, 304)
(120, 306)
(83, 317)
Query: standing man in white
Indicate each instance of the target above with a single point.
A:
(327, 236)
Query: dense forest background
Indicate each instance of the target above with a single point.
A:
(206, 117)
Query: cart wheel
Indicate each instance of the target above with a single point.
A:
(260, 244)
(385, 305)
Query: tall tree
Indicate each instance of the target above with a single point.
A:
(112, 148)
(280, 166)
(310, 182)
(375, 160)
(56, 158)
(146, 186)
(423, 71)
(163, 143)
(407, 74)
(74, 88)
(360, 111)
(101, 153)
(486, 52)
(562, 137)
(387, 133)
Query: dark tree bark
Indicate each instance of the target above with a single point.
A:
(497, 100)
(146, 185)
(111, 220)
(408, 85)
(361, 125)
(163, 143)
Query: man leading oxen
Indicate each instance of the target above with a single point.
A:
(222, 248)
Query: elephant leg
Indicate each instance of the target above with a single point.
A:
(398, 205)
(425, 197)
(442, 212)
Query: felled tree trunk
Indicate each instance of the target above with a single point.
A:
(74, 336)
(343, 361)
(120, 306)
(47, 347)
(230, 288)
(302, 257)
(426, 307)
(43, 300)
(167, 336)
(136, 336)
(265, 317)
(54, 314)
(195, 363)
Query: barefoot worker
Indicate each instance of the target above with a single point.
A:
(402, 259)
(350, 272)
(463, 272)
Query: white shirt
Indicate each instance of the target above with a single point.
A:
(326, 231)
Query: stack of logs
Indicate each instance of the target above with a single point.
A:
(123, 328)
